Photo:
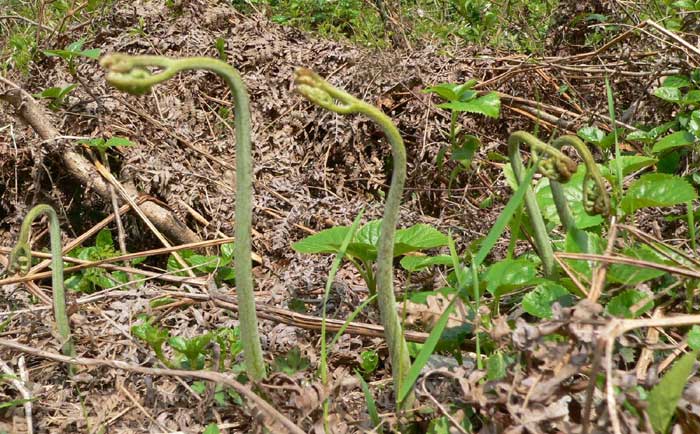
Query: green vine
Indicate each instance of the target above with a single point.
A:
(320, 92)
(21, 261)
(130, 74)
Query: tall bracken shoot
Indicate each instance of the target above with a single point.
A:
(312, 87)
(21, 261)
(130, 74)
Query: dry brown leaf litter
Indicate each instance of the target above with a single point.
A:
(312, 168)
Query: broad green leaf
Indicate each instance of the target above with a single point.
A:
(629, 164)
(676, 81)
(326, 241)
(631, 275)
(76, 46)
(488, 105)
(621, 304)
(445, 91)
(118, 141)
(92, 53)
(539, 301)
(496, 366)
(64, 54)
(663, 398)
(657, 189)
(227, 250)
(692, 97)
(212, 428)
(591, 134)
(369, 233)
(104, 240)
(415, 263)
(694, 337)
(674, 140)
(640, 135)
(508, 275)
(418, 237)
(694, 123)
(595, 245)
(52, 92)
(670, 94)
(454, 92)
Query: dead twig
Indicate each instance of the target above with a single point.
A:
(215, 377)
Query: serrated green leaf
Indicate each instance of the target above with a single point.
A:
(670, 94)
(416, 263)
(657, 189)
(591, 134)
(444, 90)
(621, 304)
(539, 301)
(510, 274)
(488, 105)
(674, 140)
(663, 398)
(326, 241)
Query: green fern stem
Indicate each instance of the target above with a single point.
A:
(21, 261)
(557, 167)
(320, 92)
(130, 74)
(595, 196)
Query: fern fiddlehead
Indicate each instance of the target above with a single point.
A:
(559, 168)
(21, 261)
(131, 74)
(311, 86)
(595, 196)
(553, 164)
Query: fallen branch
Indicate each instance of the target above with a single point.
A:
(30, 112)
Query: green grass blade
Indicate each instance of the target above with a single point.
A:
(618, 158)
(490, 241)
(329, 282)
(371, 405)
(350, 318)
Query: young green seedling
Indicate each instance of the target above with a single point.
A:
(130, 74)
(21, 260)
(312, 87)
